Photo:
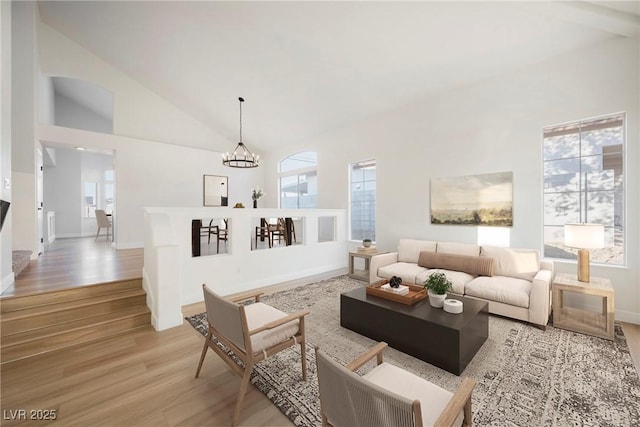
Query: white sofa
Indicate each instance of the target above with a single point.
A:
(515, 282)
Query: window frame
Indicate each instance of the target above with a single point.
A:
(350, 184)
(582, 190)
(309, 170)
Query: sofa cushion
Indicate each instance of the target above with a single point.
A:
(507, 290)
(406, 270)
(409, 249)
(476, 265)
(518, 263)
(458, 248)
(458, 278)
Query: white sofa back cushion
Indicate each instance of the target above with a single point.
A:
(518, 263)
(409, 249)
(458, 248)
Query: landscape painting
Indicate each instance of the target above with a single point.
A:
(473, 200)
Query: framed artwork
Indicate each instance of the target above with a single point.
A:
(215, 190)
(473, 200)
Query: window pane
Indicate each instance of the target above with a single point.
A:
(561, 147)
(299, 190)
(90, 199)
(108, 195)
(299, 161)
(600, 207)
(561, 208)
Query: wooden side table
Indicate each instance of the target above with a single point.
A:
(361, 274)
(584, 321)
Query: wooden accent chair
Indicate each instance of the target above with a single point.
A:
(103, 222)
(252, 332)
(386, 395)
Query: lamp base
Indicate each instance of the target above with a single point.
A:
(583, 265)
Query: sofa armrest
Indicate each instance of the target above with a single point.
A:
(540, 298)
(547, 264)
(378, 261)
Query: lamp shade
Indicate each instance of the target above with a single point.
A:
(584, 236)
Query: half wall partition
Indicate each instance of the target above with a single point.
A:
(173, 277)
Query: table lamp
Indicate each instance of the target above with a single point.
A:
(584, 236)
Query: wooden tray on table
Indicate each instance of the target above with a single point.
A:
(416, 293)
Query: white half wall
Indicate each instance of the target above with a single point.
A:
(173, 278)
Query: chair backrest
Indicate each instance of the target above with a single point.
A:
(347, 399)
(102, 218)
(225, 316)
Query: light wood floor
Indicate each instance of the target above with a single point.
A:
(77, 262)
(140, 378)
(143, 378)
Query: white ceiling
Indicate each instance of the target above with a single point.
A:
(308, 67)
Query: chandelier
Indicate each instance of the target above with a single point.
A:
(241, 156)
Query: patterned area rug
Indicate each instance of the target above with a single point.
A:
(526, 376)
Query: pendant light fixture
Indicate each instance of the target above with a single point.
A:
(241, 156)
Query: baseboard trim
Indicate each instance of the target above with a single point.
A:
(275, 283)
(134, 245)
(628, 317)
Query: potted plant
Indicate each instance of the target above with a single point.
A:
(437, 286)
(366, 243)
(256, 193)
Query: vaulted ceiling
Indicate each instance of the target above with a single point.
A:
(308, 67)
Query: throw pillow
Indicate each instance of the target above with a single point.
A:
(476, 265)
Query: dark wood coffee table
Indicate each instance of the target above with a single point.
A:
(448, 341)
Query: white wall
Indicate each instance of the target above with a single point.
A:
(151, 173)
(138, 112)
(62, 192)
(151, 167)
(69, 113)
(46, 96)
(24, 110)
(6, 275)
(492, 126)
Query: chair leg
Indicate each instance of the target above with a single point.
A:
(243, 390)
(303, 355)
(204, 352)
(98, 232)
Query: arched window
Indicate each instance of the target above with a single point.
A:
(298, 181)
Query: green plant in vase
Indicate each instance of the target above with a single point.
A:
(437, 286)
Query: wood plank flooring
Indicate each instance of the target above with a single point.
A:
(68, 263)
(141, 378)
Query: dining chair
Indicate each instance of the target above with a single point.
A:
(220, 233)
(103, 221)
